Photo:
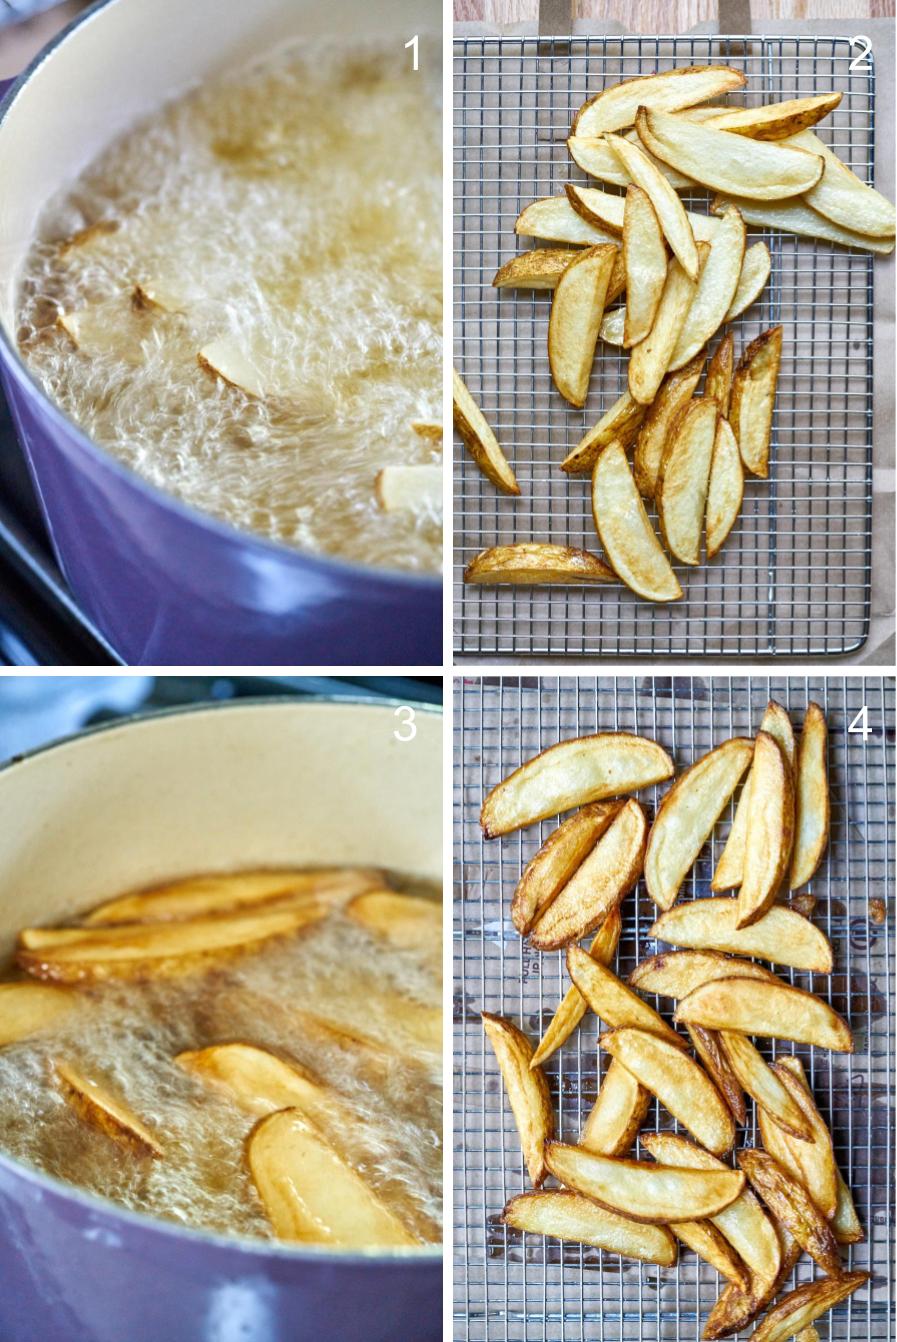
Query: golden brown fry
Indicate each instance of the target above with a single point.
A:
(625, 531)
(684, 479)
(261, 1083)
(781, 935)
(570, 1216)
(718, 382)
(574, 1006)
(533, 564)
(613, 1003)
(845, 1222)
(95, 1105)
(812, 798)
(730, 868)
(561, 854)
(775, 121)
(735, 1309)
(811, 1162)
(675, 392)
(616, 106)
(527, 1091)
(540, 268)
(407, 921)
(670, 221)
(28, 1008)
(773, 1010)
(753, 399)
(799, 1308)
(677, 973)
(725, 491)
(479, 439)
(621, 422)
(576, 312)
(646, 1192)
(707, 1242)
(769, 836)
(763, 1085)
(707, 1045)
(791, 1204)
(617, 1114)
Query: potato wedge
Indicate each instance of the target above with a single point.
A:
(415, 489)
(94, 1104)
(718, 382)
(774, 1010)
(311, 1195)
(707, 1242)
(755, 270)
(812, 798)
(625, 531)
(375, 1058)
(621, 423)
(669, 221)
(427, 428)
(799, 1308)
(540, 268)
(658, 1194)
(224, 359)
(613, 329)
(753, 399)
(573, 1005)
(559, 857)
(261, 1083)
(598, 885)
(781, 935)
(845, 1222)
(645, 263)
(570, 1216)
(576, 312)
(811, 1162)
(684, 479)
(617, 1115)
(795, 216)
(108, 329)
(616, 107)
(571, 773)
(527, 1092)
(735, 1309)
(688, 812)
(534, 564)
(843, 197)
(679, 1083)
(678, 973)
(603, 211)
(791, 1204)
(29, 1008)
(553, 219)
(675, 392)
(649, 361)
(407, 921)
(706, 1044)
(730, 868)
(594, 155)
(763, 1085)
(716, 289)
(725, 491)
(769, 836)
(159, 295)
(724, 162)
(775, 121)
(478, 438)
(614, 1004)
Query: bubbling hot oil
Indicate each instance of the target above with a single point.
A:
(295, 208)
(127, 1035)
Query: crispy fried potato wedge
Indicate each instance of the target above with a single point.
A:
(678, 973)
(407, 921)
(598, 885)
(707, 1242)
(561, 854)
(310, 1194)
(576, 312)
(678, 1082)
(645, 263)
(571, 773)
(649, 361)
(594, 155)
(775, 121)
(774, 1010)
(478, 438)
(93, 1103)
(684, 479)
(624, 529)
(616, 107)
(753, 399)
(527, 1092)
(781, 935)
(735, 1309)
(795, 216)
(755, 270)
(29, 1008)
(570, 1216)
(675, 392)
(763, 1085)
(718, 382)
(706, 1044)
(621, 423)
(409, 488)
(658, 1194)
(811, 1162)
(725, 491)
(812, 798)
(670, 221)
(574, 1006)
(843, 197)
(730, 868)
(799, 1308)
(540, 268)
(553, 219)
(845, 1222)
(617, 1114)
(716, 289)
(534, 564)
(260, 1082)
(725, 162)
(613, 1003)
(687, 814)
(604, 211)
(769, 836)
(791, 1204)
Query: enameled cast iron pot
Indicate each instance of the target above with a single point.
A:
(165, 584)
(258, 783)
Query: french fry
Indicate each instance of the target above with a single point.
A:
(613, 1003)
(416, 489)
(553, 219)
(574, 1006)
(621, 423)
(811, 1162)
(560, 856)
(675, 392)
(657, 1194)
(776, 121)
(407, 921)
(569, 1216)
(706, 1044)
(791, 1204)
(754, 273)
(753, 399)
(730, 868)
(763, 1085)
(527, 1092)
(707, 1242)
(669, 217)
(603, 211)
(645, 263)
(843, 197)
(534, 564)
(616, 107)
(625, 531)
(725, 491)
(684, 479)
(677, 973)
(799, 1308)
(716, 289)
(261, 1083)
(649, 361)
(479, 439)
(769, 837)
(30, 1008)
(781, 935)
(812, 798)
(774, 1010)
(224, 359)
(576, 312)
(795, 216)
(735, 1309)
(594, 155)
(617, 1114)
(540, 268)
(93, 1103)
(718, 382)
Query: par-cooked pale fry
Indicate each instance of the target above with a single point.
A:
(535, 564)
(755, 270)
(574, 1006)
(594, 155)
(569, 1216)
(799, 1308)
(261, 1083)
(407, 921)
(812, 798)
(775, 121)
(718, 382)
(687, 815)
(28, 1008)
(93, 1103)
(478, 438)
(621, 422)
(684, 479)
(678, 973)
(769, 836)
(409, 488)
(374, 1058)
(598, 885)
(616, 107)
(617, 1114)
(763, 1085)
(310, 1194)
(811, 1162)
(843, 197)
(675, 392)
(706, 1044)
(670, 221)
(225, 359)
(678, 1082)
(571, 773)
(576, 312)
(554, 219)
(725, 491)
(650, 359)
(735, 1309)
(644, 262)
(774, 1010)
(707, 1242)
(791, 1204)
(716, 289)
(646, 1192)
(613, 329)
(781, 935)
(615, 1005)
(527, 1092)
(559, 857)
(730, 868)
(540, 268)
(795, 216)
(625, 531)
(605, 212)
(725, 162)
(753, 399)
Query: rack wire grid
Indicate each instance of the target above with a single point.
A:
(509, 1286)
(794, 575)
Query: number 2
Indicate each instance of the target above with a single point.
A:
(859, 64)
(862, 718)
(407, 722)
(413, 44)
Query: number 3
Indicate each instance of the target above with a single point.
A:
(407, 722)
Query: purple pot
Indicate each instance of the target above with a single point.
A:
(165, 584)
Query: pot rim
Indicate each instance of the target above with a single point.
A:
(424, 583)
(105, 1207)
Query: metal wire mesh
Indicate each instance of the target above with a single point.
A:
(509, 1286)
(794, 576)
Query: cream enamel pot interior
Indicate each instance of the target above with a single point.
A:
(253, 783)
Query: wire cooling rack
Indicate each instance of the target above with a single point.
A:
(794, 576)
(523, 1288)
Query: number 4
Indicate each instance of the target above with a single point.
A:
(413, 44)
(862, 718)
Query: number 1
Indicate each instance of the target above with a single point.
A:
(413, 44)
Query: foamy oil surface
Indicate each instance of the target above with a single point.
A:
(127, 1035)
(294, 208)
